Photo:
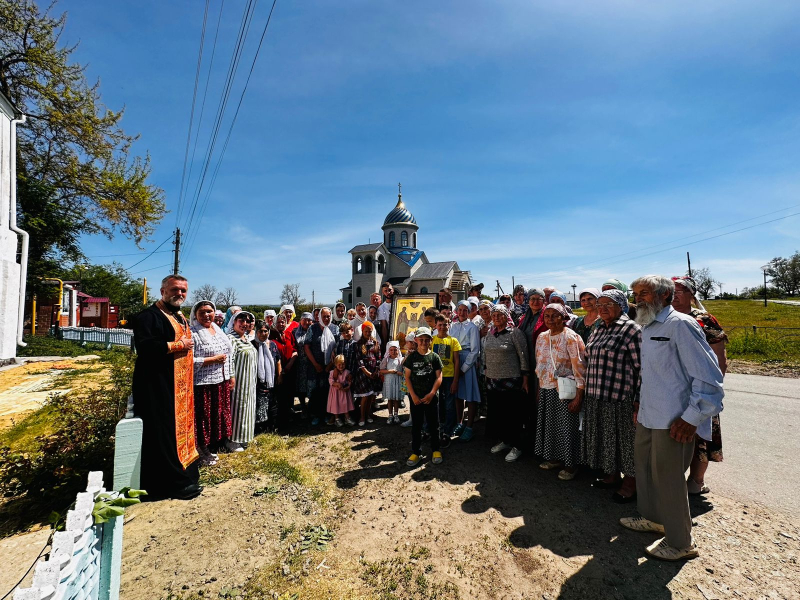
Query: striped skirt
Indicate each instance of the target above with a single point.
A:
(243, 399)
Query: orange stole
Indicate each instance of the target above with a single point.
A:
(183, 362)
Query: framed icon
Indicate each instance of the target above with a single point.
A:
(408, 314)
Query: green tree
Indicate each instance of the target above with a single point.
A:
(705, 282)
(72, 150)
(785, 273)
(111, 281)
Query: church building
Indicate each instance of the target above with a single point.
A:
(399, 261)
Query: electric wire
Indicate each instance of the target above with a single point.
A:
(152, 269)
(128, 254)
(33, 564)
(191, 114)
(151, 254)
(190, 246)
(233, 67)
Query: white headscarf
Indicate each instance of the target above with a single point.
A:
(358, 321)
(229, 329)
(286, 307)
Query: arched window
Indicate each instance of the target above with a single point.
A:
(381, 264)
(391, 239)
(358, 292)
(414, 238)
(359, 265)
(404, 239)
(350, 299)
(424, 290)
(368, 264)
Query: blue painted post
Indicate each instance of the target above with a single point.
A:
(128, 453)
(111, 559)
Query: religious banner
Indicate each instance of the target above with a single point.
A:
(408, 313)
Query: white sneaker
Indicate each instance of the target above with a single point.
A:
(234, 447)
(500, 447)
(369, 419)
(513, 455)
(406, 423)
(361, 423)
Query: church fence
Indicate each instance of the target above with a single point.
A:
(85, 560)
(109, 337)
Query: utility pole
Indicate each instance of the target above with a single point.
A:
(689, 262)
(177, 250)
(765, 285)
(313, 301)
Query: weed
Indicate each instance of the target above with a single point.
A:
(398, 577)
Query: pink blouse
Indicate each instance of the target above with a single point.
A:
(568, 356)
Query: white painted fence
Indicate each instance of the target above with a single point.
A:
(97, 335)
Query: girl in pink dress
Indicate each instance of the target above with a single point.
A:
(340, 398)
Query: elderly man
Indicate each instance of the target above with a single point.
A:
(547, 292)
(163, 395)
(681, 390)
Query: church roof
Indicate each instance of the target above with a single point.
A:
(366, 247)
(400, 214)
(436, 270)
(408, 255)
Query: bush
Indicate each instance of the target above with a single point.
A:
(82, 439)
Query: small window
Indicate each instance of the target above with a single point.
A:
(414, 238)
(423, 290)
(359, 265)
(381, 264)
(404, 239)
(391, 239)
(350, 299)
(358, 292)
(368, 264)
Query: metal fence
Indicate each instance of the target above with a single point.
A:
(96, 335)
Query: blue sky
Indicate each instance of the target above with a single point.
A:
(558, 143)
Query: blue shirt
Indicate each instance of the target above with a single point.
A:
(469, 336)
(680, 374)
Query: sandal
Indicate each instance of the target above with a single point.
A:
(549, 465)
(696, 489)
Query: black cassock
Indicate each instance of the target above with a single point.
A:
(160, 404)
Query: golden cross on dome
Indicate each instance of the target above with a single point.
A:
(400, 196)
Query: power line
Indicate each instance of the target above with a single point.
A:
(129, 254)
(230, 129)
(151, 254)
(152, 268)
(191, 114)
(244, 29)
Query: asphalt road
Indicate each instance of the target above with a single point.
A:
(761, 442)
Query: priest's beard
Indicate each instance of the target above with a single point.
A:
(646, 313)
(175, 301)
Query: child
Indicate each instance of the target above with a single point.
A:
(340, 399)
(390, 369)
(447, 348)
(411, 346)
(423, 373)
(430, 317)
(351, 314)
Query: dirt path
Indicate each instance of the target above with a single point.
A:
(473, 527)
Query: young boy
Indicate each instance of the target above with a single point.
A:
(447, 348)
(423, 374)
(430, 318)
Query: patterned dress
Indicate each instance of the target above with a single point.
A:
(705, 450)
(557, 435)
(243, 397)
(369, 356)
(612, 385)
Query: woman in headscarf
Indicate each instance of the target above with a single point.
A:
(213, 379)
(318, 348)
(285, 389)
(245, 368)
(616, 284)
(287, 310)
(506, 364)
(686, 301)
(361, 316)
(583, 326)
(226, 323)
(559, 353)
(532, 325)
(612, 390)
(367, 379)
(219, 319)
(268, 373)
(269, 319)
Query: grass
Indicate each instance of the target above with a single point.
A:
(50, 346)
(402, 577)
(267, 453)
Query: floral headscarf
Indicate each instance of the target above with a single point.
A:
(618, 297)
(503, 309)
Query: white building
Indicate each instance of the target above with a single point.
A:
(399, 261)
(13, 266)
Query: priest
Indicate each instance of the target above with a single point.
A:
(163, 395)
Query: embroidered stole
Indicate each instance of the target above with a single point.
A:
(183, 366)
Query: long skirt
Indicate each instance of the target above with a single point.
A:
(557, 435)
(608, 436)
(212, 412)
(243, 410)
(710, 450)
(391, 387)
(266, 406)
(468, 388)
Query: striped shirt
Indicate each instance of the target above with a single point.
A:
(613, 358)
(243, 397)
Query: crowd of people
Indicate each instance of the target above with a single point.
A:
(631, 390)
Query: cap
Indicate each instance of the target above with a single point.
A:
(423, 331)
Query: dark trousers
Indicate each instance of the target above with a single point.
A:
(507, 414)
(430, 414)
(318, 389)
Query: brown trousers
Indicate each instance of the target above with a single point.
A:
(661, 465)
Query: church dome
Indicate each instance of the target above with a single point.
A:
(400, 214)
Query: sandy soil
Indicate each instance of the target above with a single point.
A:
(750, 368)
(492, 529)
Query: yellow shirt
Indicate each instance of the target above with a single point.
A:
(445, 347)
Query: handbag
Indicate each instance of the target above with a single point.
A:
(567, 386)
